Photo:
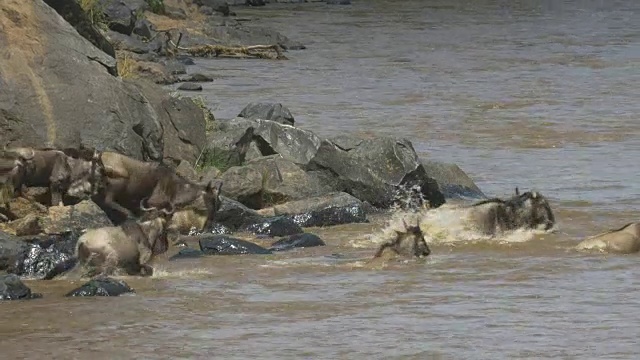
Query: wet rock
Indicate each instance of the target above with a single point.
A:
(46, 256)
(452, 181)
(233, 214)
(283, 180)
(338, 2)
(185, 60)
(188, 86)
(12, 288)
(255, 3)
(296, 241)
(268, 111)
(372, 169)
(197, 77)
(102, 286)
(11, 248)
(217, 229)
(242, 183)
(226, 245)
(187, 253)
(273, 226)
(85, 214)
(330, 216)
(87, 104)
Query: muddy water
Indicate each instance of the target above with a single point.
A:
(537, 95)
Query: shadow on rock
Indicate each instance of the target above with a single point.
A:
(297, 241)
(226, 245)
(102, 286)
(12, 288)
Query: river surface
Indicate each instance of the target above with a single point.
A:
(536, 94)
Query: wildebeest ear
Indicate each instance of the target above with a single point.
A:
(214, 189)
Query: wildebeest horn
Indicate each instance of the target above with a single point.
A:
(143, 205)
(517, 191)
(168, 212)
(534, 195)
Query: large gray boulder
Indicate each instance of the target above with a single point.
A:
(373, 170)
(246, 139)
(453, 182)
(56, 89)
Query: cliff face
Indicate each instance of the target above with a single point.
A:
(58, 89)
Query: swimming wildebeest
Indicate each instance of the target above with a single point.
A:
(128, 184)
(410, 243)
(625, 240)
(129, 246)
(529, 210)
(52, 168)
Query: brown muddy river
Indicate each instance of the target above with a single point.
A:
(534, 94)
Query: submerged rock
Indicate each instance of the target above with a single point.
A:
(12, 288)
(102, 286)
(187, 253)
(216, 229)
(274, 227)
(226, 245)
(189, 86)
(297, 240)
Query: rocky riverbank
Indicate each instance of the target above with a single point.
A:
(77, 74)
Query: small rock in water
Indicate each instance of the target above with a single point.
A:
(189, 86)
(274, 226)
(187, 253)
(297, 240)
(226, 245)
(12, 288)
(102, 286)
(197, 77)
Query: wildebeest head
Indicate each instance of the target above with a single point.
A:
(532, 210)
(409, 242)
(154, 223)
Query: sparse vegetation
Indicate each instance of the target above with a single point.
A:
(213, 158)
(157, 6)
(208, 115)
(95, 10)
(126, 66)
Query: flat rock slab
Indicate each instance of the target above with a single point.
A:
(297, 241)
(227, 245)
(103, 286)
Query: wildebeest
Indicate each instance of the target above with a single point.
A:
(129, 246)
(12, 175)
(529, 210)
(625, 240)
(410, 243)
(52, 168)
(126, 182)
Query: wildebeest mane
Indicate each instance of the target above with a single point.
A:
(134, 231)
(488, 201)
